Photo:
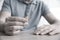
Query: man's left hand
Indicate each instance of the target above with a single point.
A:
(48, 29)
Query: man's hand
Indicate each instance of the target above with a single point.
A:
(19, 19)
(47, 29)
(14, 24)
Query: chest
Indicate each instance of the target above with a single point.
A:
(21, 10)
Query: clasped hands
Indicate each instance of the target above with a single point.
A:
(13, 25)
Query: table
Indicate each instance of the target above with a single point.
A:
(29, 36)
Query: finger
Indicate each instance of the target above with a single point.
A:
(10, 33)
(44, 27)
(8, 28)
(37, 31)
(17, 27)
(13, 28)
(46, 31)
(54, 32)
(14, 23)
(41, 29)
(16, 19)
(16, 32)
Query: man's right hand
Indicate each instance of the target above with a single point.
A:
(13, 25)
(19, 19)
(12, 29)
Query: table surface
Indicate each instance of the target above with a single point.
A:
(29, 36)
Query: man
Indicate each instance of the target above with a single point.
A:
(16, 13)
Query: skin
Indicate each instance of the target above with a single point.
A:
(11, 25)
(51, 29)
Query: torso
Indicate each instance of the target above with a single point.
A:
(33, 11)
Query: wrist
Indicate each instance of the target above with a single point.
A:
(1, 26)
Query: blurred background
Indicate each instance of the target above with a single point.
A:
(54, 6)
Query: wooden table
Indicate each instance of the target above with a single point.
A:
(29, 36)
